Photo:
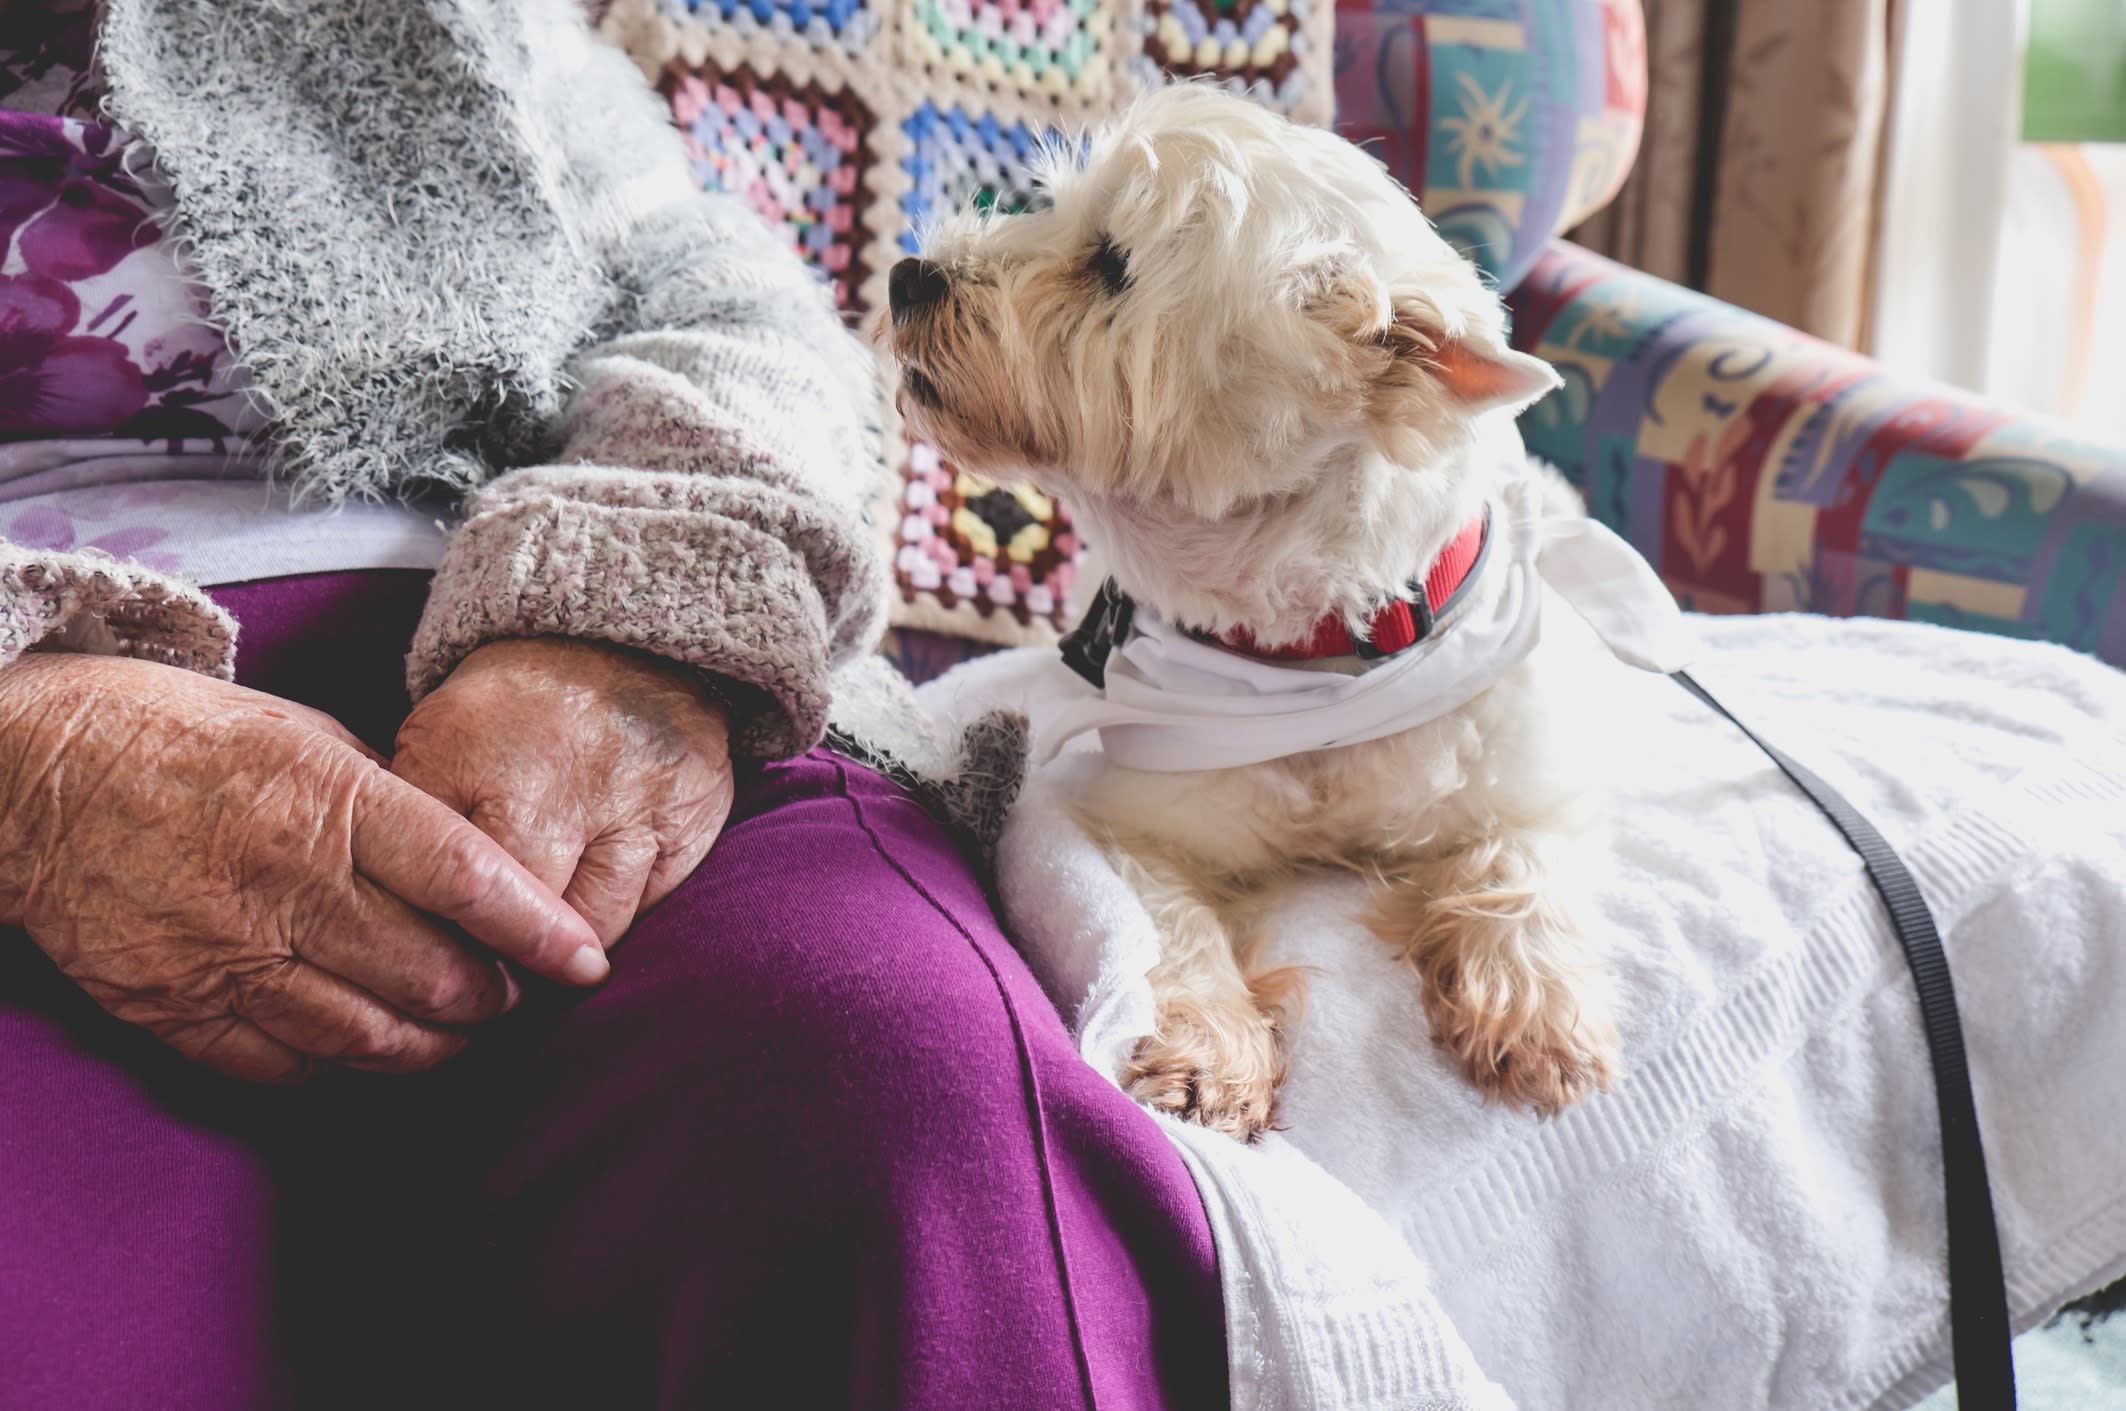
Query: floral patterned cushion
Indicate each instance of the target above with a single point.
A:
(1759, 469)
(1512, 120)
(854, 124)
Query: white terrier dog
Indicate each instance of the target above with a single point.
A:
(1282, 407)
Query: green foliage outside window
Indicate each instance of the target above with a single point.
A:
(2074, 75)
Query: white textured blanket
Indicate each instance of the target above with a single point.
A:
(1753, 1218)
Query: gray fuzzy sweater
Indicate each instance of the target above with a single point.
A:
(454, 243)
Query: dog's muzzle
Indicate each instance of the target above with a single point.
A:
(914, 284)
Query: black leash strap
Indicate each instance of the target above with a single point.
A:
(1979, 1333)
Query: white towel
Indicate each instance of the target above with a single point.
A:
(1753, 1218)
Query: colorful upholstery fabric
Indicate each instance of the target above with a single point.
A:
(1512, 120)
(855, 125)
(1759, 469)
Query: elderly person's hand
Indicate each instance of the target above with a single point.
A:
(606, 772)
(242, 877)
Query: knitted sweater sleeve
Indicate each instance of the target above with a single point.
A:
(706, 503)
(90, 602)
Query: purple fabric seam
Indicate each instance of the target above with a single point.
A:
(1036, 1117)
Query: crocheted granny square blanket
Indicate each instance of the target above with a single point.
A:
(856, 124)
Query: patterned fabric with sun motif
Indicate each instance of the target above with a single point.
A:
(856, 125)
(1512, 120)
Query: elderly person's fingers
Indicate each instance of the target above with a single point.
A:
(677, 862)
(604, 772)
(610, 880)
(324, 1017)
(547, 842)
(237, 1048)
(519, 810)
(278, 1019)
(417, 849)
(370, 938)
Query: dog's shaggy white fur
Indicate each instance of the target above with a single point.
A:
(1270, 391)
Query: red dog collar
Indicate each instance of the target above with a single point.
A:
(1398, 626)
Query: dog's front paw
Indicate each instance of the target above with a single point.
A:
(1540, 1044)
(1221, 1071)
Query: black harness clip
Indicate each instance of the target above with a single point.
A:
(1092, 641)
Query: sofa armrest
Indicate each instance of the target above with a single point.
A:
(1759, 469)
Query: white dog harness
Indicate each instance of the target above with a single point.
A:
(1170, 701)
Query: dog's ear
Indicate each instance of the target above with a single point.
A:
(1475, 374)
(1417, 369)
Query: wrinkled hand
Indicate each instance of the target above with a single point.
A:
(605, 771)
(240, 876)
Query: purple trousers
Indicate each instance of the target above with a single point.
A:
(819, 1141)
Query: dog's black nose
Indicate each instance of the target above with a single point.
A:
(913, 284)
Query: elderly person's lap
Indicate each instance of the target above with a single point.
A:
(819, 1140)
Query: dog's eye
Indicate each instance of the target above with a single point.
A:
(1110, 266)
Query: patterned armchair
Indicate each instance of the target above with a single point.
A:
(1758, 469)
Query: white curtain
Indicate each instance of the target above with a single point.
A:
(2002, 264)
(1952, 137)
(2059, 343)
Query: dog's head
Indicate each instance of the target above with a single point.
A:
(1231, 343)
